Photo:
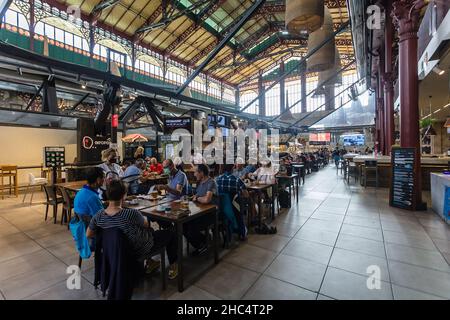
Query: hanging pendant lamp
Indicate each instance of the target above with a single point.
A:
(304, 15)
(324, 76)
(324, 58)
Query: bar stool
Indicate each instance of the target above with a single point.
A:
(9, 171)
(370, 166)
(352, 170)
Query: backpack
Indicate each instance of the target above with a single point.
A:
(285, 199)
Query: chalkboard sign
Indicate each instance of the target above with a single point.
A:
(403, 189)
(54, 157)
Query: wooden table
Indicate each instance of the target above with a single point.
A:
(260, 188)
(9, 171)
(197, 210)
(154, 179)
(144, 203)
(72, 186)
(294, 178)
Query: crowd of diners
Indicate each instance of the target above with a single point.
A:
(100, 202)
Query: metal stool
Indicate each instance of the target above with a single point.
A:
(370, 166)
(351, 171)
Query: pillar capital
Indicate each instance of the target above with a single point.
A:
(406, 15)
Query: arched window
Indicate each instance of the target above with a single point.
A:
(228, 96)
(176, 75)
(273, 101)
(245, 98)
(293, 95)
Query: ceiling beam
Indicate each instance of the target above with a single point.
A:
(244, 18)
(165, 20)
(204, 14)
(102, 5)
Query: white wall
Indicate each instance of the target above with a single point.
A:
(23, 146)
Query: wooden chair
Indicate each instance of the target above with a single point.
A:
(67, 206)
(9, 171)
(52, 200)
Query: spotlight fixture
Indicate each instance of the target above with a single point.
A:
(83, 85)
(438, 71)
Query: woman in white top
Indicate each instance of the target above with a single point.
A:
(112, 169)
(264, 174)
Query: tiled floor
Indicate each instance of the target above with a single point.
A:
(326, 248)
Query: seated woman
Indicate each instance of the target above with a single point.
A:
(206, 193)
(136, 228)
(155, 166)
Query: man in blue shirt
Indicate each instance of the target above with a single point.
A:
(87, 201)
(177, 182)
(133, 175)
(240, 170)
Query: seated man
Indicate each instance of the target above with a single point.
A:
(136, 228)
(133, 175)
(87, 201)
(177, 182)
(206, 192)
(235, 187)
(240, 170)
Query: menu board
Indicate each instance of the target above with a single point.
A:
(54, 157)
(402, 193)
(171, 124)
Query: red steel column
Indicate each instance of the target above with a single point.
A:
(406, 14)
(388, 80)
(378, 118)
(380, 103)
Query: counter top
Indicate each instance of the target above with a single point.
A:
(439, 183)
(387, 159)
(441, 175)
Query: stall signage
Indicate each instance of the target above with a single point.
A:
(171, 124)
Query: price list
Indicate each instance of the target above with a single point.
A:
(402, 189)
(54, 157)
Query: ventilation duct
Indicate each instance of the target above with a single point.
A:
(324, 58)
(304, 15)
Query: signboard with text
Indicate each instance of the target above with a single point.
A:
(54, 157)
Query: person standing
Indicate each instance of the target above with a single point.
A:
(112, 169)
(139, 153)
